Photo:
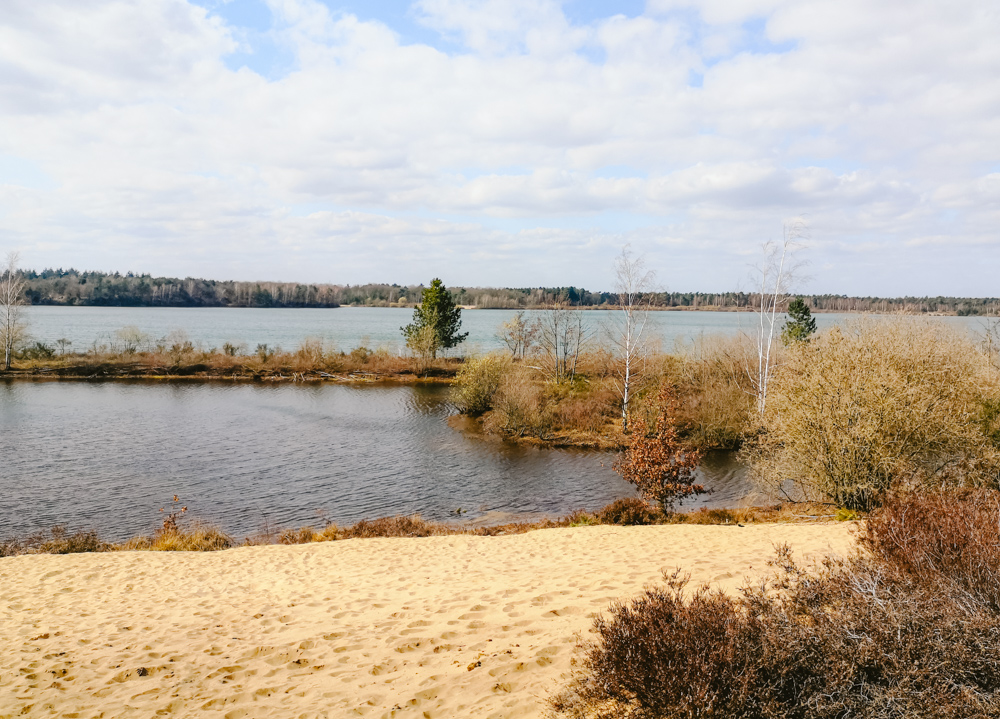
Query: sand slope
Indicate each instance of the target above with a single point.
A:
(437, 627)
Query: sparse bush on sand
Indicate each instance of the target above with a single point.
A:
(908, 627)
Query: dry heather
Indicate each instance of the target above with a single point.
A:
(907, 628)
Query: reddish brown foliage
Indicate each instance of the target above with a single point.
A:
(952, 537)
(656, 461)
(909, 628)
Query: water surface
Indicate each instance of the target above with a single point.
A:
(349, 327)
(108, 455)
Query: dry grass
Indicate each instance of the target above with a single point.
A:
(55, 541)
(313, 360)
(206, 538)
(907, 628)
(199, 538)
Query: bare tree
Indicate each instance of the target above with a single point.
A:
(519, 335)
(12, 301)
(778, 271)
(634, 287)
(561, 336)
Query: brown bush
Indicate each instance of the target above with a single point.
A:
(590, 410)
(898, 631)
(519, 406)
(412, 526)
(656, 461)
(63, 543)
(953, 537)
(716, 407)
(478, 381)
(629, 511)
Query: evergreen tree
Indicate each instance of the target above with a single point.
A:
(436, 322)
(800, 323)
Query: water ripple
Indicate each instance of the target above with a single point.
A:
(109, 455)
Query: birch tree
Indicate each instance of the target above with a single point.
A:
(778, 270)
(634, 286)
(12, 301)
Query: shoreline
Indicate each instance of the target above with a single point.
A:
(532, 308)
(439, 626)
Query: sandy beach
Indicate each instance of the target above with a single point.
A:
(453, 626)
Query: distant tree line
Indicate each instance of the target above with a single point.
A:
(74, 287)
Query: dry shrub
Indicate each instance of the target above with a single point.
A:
(311, 355)
(716, 410)
(590, 410)
(954, 537)
(877, 405)
(62, 542)
(703, 515)
(629, 511)
(519, 406)
(303, 535)
(412, 526)
(55, 541)
(200, 538)
(479, 380)
(306, 535)
(893, 632)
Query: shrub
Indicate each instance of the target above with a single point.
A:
(589, 409)
(715, 409)
(37, 351)
(519, 406)
(656, 462)
(265, 353)
(478, 382)
(878, 405)
(63, 543)
(200, 538)
(907, 628)
(954, 537)
(412, 526)
(629, 511)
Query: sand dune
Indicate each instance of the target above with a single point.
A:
(438, 627)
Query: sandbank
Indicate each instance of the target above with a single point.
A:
(453, 626)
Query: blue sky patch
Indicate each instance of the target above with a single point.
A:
(24, 173)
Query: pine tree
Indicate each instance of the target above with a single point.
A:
(800, 323)
(436, 322)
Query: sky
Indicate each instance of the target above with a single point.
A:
(505, 142)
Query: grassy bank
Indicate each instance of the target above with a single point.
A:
(312, 362)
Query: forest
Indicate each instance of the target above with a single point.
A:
(74, 287)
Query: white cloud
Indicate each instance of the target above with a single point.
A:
(487, 153)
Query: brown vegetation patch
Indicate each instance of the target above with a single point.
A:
(907, 628)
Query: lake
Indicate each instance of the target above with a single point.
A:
(350, 327)
(108, 455)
